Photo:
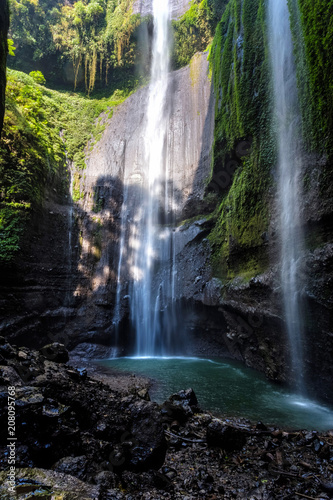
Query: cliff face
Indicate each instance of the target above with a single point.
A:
(4, 26)
(64, 285)
(115, 165)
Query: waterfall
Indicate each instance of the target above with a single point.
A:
(287, 117)
(146, 237)
(68, 295)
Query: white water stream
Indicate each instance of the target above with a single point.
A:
(144, 242)
(290, 161)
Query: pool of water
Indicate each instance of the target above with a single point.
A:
(229, 389)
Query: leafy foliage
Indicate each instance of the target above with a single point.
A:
(11, 48)
(95, 36)
(38, 77)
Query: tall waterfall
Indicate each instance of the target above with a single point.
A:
(146, 237)
(289, 160)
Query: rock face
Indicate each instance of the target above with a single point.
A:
(115, 165)
(243, 318)
(4, 25)
(63, 287)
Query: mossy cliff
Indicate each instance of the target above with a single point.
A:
(312, 23)
(239, 280)
(4, 25)
(244, 150)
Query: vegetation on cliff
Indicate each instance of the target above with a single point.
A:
(240, 65)
(91, 41)
(4, 25)
(194, 31)
(40, 127)
(312, 23)
(74, 42)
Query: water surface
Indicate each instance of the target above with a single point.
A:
(228, 389)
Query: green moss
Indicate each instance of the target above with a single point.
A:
(312, 27)
(192, 32)
(240, 68)
(4, 25)
(40, 125)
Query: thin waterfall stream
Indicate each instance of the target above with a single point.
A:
(289, 162)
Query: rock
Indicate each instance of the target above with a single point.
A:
(149, 446)
(328, 487)
(7, 351)
(29, 396)
(75, 466)
(106, 479)
(144, 394)
(53, 409)
(180, 406)
(55, 352)
(53, 484)
(9, 376)
(22, 355)
(225, 436)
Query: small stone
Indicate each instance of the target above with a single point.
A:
(144, 394)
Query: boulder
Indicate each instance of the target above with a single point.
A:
(227, 437)
(180, 406)
(55, 352)
(75, 466)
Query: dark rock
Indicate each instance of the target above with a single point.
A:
(7, 351)
(55, 352)
(261, 427)
(225, 436)
(28, 396)
(328, 487)
(75, 466)
(106, 479)
(9, 376)
(149, 446)
(180, 406)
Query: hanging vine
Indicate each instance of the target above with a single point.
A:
(96, 33)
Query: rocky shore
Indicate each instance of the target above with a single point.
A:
(98, 436)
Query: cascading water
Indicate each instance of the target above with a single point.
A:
(68, 296)
(289, 160)
(149, 247)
